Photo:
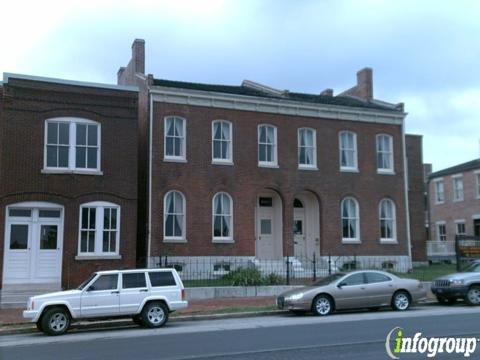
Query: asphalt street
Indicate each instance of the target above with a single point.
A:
(359, 335)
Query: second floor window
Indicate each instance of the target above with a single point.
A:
(267, 145)
(348, 150)
(175, 147)
(72, 144)
(307, 152)
(439, 192)
(384, 153)
(458, 188)
(222, 141)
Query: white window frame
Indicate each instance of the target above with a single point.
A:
(99, 212)
(312, 166)
(72, 144)
(222, 239)
(393, 239)
(388, 153)
(458, 193)
(460, 222)
(353, 168)
(182, 238)
(274, 162)
(477, 182)
(173, 158)
(356, 239)
(220, 161)
(436, 184)
(438, 224)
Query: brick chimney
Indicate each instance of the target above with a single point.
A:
(136, 65)
(364, 87)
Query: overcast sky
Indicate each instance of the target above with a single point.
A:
(424, 53)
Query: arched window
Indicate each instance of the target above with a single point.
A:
(307, 148)
(384, 153)
(388, 227)
(267, 145)
(175, 135)
(72, 144)
(222, 141)
(99, 229)
(348, 150)
(350, 220)
(222, 217)
(174, 216)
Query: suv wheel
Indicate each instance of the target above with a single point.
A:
(55, 321)
(322, 305)
(401, 301)
(473, 295)
(154, 314)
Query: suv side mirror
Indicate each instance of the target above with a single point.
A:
(342, 284)
(91, 288)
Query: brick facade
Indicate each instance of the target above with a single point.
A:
(450, 211)
(24, 107)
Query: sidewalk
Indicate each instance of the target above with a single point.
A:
(196, 307)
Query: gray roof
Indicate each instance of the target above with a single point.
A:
(291, 96)
(470, 165)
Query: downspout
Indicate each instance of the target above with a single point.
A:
(150, 161)
(407, 205)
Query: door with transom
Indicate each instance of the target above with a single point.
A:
(33, 244)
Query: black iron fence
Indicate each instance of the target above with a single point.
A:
(249, 271)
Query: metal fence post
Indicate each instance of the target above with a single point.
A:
(314, 268)
(288, 270)
(329, 264)
(457, 252)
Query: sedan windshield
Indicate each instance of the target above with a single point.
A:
(328, 280)
(83, 284)
(475, 267)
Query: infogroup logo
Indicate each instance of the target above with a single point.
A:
(397, 343)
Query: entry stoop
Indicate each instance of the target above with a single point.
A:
(16, 296)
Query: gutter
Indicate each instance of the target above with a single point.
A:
(407, 204)
(150, 176)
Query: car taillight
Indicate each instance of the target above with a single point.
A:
(183, 295)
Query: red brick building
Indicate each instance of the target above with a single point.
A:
(68, 181)
(251, 173)
(454, 207)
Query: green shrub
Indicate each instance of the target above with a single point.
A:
(273, 279)
(243, 277)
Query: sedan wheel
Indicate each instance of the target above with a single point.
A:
(322, 305)
(401, 301)
(473, 296)
(154, 315)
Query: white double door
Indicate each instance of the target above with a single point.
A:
(33, 245)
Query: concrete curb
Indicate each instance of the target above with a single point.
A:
(26, 328)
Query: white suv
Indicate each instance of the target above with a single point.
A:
(147, 295)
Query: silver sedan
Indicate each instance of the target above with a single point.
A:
(358, 289)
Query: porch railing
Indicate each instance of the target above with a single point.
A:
(440, 248)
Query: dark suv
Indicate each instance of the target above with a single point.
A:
(463, 285)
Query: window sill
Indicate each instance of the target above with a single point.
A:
(271, 166)
(174, 240)
(98, 257)
(305, 167)
(219, 162)
(439, 202)
(223, 241)
(458, 200)
(69, 171)
(388, 242)
(351, 170)
(385, 172)
(351, 241)
(175, 160)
